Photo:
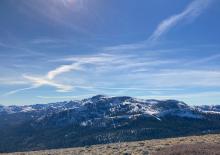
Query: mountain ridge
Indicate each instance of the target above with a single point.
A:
(26, 108)
(99, 120)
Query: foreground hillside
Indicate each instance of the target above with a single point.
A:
(192, 145)
(101, 120)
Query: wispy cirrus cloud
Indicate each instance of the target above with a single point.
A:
(41, 81)
(192, 98)
(66, 97)
(12, 81)
(63, 69)
(204, 60)
(36, 82)
(19, 90)
(179, 78)
(192, 11)
(91, 65)
(48, 79)
(114, 72)
(21, 49)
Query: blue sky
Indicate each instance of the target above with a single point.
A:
(59, 50)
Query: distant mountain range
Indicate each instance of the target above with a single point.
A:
(101, 119)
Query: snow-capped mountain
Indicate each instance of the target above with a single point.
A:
(209, 109)
(55, 107)
(101, 119)
(129, 105)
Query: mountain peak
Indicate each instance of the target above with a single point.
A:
(99, 96)
(128, 105)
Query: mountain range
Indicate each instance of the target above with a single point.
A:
(101, 119)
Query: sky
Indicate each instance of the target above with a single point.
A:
(59, 50)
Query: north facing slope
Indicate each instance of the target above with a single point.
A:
(209, 143)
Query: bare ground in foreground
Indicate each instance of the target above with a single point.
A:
(192, 145)
(191, 149)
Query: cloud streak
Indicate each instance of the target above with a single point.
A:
(18, 90)
(192, 11)
(99, 64)
(108, 73)
(63, 69)
(193, 98)
(48, 79)
(204, 60)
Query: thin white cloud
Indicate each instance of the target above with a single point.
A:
(105, 72)
(178, 78)
(204, 60)
(184, 95)
(193, 98)
(39, 41)
(38, 82)
(48, 79)
(192, 11)
(63, 69)
(22, 50)
(130, 88)
(128, 47)
(99, 63)
(66, 97)
(18, 90)
(12, 81)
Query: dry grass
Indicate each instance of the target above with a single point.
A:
(170, 145)
(193, 149)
